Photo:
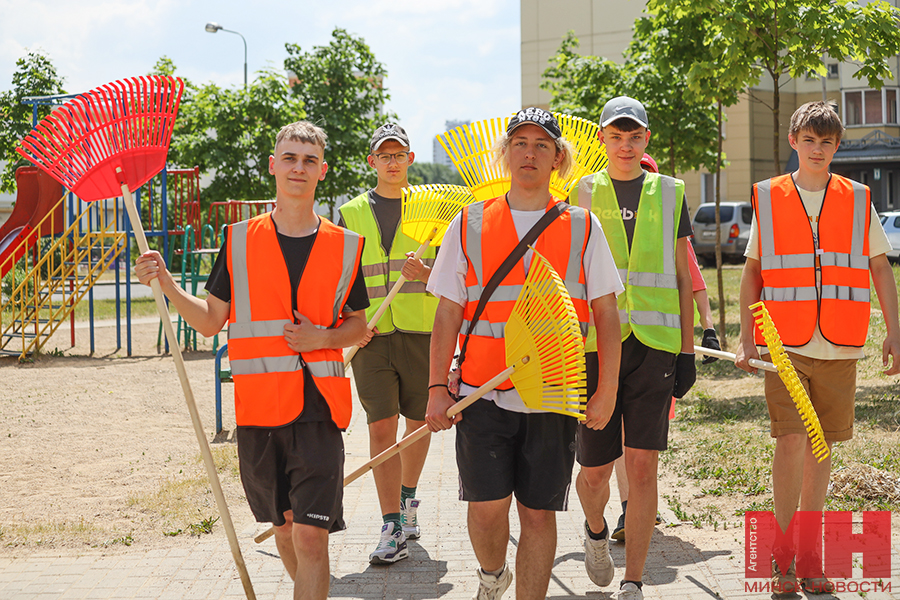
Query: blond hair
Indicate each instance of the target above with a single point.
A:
(500, 155)
(819, 117)
(302, 131)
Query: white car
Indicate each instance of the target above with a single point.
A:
(891, 223)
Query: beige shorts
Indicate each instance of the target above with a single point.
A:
(831, 385)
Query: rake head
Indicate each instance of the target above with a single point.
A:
(469, 146)
(426, 207)
(544, 326)
(791, 381)
(126, 124)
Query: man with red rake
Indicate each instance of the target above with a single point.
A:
(288, 321)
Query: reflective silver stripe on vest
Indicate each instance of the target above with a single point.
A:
(787, 261)
(655, 280)
(239, 275)
(860, 210)
(669, 204)
(237, 331)
(765, 225)
(266, 364)
(412, 287)
(623, 275)
(373, 270)
(648, 317)
(841, 292)
(788, 294)
(348, 273)
(484, 329)
(839, 259)
(623, 317)
(376, 292)
(473, 242)
(397, 263)
(578, 219)
(503, 293)
(326, 368)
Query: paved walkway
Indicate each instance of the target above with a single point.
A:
(684, 563)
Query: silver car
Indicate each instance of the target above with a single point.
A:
(891, 223)
(735, 217)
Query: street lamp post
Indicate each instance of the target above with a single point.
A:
(214, 27)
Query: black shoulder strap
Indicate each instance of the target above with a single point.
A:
(506, 266)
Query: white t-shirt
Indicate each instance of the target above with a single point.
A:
(818, 347)
(448, 279)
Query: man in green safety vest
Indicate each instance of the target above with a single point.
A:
(391, 367)
(645, 219)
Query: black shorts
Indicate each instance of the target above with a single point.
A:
(499, 452)
(298, 467)
(646, 381)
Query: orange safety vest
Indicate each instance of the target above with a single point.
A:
(268, 375)
(789, 255)
(488, 237)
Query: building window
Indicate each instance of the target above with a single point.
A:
(832, 71)
(890, 102)
(871, 107)
(853, 108)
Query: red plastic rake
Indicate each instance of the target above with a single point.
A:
(111, 141)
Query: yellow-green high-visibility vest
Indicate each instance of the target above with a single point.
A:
(413, 309)
(649, 307)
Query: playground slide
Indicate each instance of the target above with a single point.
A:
(36, 195)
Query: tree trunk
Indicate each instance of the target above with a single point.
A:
(776, 114)
(721, 285)
(672, 156)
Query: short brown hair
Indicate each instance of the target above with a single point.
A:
(302, 131)
(819, 117)
(625, 125)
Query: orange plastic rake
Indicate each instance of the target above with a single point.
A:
(109, 142)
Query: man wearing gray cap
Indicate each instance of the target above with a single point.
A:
(391, 367)
(645, 219)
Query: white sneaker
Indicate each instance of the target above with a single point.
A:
(629, 591)
(597, 561)
(491, 587)
(391, 546)
(408, 518)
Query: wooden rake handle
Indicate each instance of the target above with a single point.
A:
(141, 238)
(390, 297)
(415, 436)
(759, 364)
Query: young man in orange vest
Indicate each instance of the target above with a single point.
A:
(814, 241)
(503, 447)
(288, 321)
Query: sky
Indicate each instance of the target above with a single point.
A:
(446, 59)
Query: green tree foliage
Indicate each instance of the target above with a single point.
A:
(684, 129)
(230, 133)
(788, 38)
(35, 76)
(421, 173)
(342, 91)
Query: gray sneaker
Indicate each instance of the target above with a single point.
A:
(391, 546)
(629, 591)
(408, 518)
(597, 561)
(491, 587)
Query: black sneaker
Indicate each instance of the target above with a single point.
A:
(618, 533)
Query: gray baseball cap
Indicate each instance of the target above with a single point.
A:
(388, 131)
(624, 107)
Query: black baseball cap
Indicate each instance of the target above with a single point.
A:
(624, 107)
(535, 116)
(388, 131)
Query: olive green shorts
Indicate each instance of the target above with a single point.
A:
(391, 375)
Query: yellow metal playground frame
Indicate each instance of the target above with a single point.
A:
(29, 314)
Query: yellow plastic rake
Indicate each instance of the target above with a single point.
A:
(425, 214)
(469, 147)
(789, 376)
(544, 357)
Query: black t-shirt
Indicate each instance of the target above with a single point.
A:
(628, 193)
(387, 216)
(295, 251)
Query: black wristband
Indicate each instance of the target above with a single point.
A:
(439, 385)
